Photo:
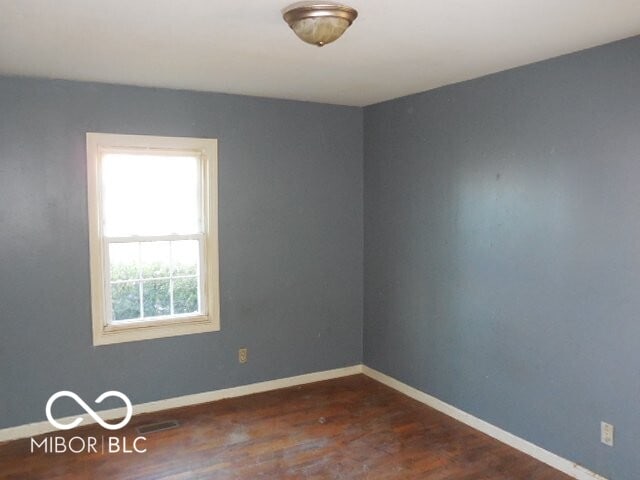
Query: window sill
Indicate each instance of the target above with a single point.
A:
(136, 331)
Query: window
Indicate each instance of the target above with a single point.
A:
(153, 236)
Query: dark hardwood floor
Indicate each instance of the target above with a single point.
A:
(349, 428)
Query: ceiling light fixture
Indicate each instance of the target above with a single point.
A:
(319, 23)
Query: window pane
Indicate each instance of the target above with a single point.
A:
(150, 195)
(185, 255)
(123, 258)
(155, 259)
(155, 298)
(125, 300)
(185, 295)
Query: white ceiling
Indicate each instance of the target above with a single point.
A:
(394, 48)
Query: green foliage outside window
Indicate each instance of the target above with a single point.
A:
(156, 297)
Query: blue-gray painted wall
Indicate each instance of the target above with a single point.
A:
(291, 235)
(502, 250)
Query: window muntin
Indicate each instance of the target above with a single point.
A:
(154, 279)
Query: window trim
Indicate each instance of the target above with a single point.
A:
(105, 333)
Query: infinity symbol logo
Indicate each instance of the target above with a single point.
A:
(89, 410)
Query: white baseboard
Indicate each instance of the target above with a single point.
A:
(38, 428)
(551, 459)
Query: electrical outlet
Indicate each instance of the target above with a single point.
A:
(606, 433)
(242, 355)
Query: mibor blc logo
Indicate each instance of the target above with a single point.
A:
(88, 444)
(89, 410)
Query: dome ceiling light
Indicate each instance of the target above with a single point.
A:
(319, 23)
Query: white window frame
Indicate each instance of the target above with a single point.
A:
(104, 332)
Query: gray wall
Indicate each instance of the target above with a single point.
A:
(290, 243)
(502, 250)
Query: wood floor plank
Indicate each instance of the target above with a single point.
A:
(348, 428)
